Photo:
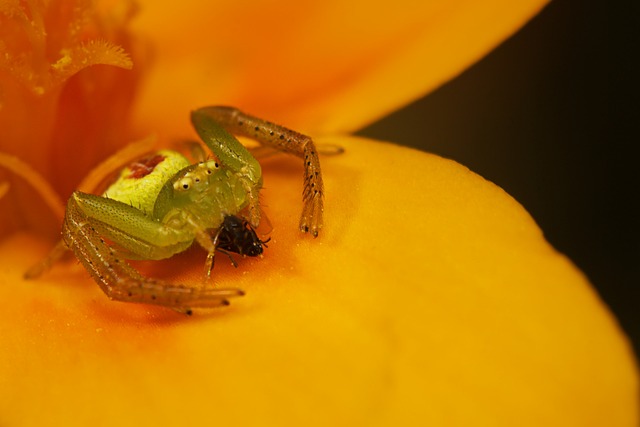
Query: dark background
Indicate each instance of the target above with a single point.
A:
(548, 117)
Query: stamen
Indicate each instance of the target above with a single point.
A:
(33, 178)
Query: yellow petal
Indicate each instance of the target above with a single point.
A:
(321, 66)
(431, 298)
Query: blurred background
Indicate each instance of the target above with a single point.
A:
(548, 117)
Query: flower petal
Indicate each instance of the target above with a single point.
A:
(320, 67)
(432, 298)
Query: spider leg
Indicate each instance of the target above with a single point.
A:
(234, 156)
(52, 257)
(210, 262)
(282, 139)
(195, 149)
(121, 282)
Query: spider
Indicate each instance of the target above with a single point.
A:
(162, 204)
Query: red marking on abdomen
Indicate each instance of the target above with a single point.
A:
(145, 166)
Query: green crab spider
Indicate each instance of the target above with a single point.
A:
(162, 204)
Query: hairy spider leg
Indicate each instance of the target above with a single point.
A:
(280, 138)
(52, 257)
(234, 156)
(121, 282)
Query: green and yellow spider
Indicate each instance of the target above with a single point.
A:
(161, 204)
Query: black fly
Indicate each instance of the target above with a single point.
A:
(236, 235)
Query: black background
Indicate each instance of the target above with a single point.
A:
(548, 117)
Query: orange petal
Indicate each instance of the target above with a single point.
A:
(432, 298)
(322, 66)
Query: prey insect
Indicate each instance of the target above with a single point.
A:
(162, 204)
(236, 235)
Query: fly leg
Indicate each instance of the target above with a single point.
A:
(282, 139)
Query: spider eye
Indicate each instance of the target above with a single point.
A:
(211, 165)
(184, 184)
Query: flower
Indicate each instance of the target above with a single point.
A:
(430, 298)
(58, 112)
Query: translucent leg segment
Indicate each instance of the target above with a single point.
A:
(121, 282)
(56, 253)
(286, 140)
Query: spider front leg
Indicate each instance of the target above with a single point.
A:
(117, 279)
(234, 156)
(272, 135)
